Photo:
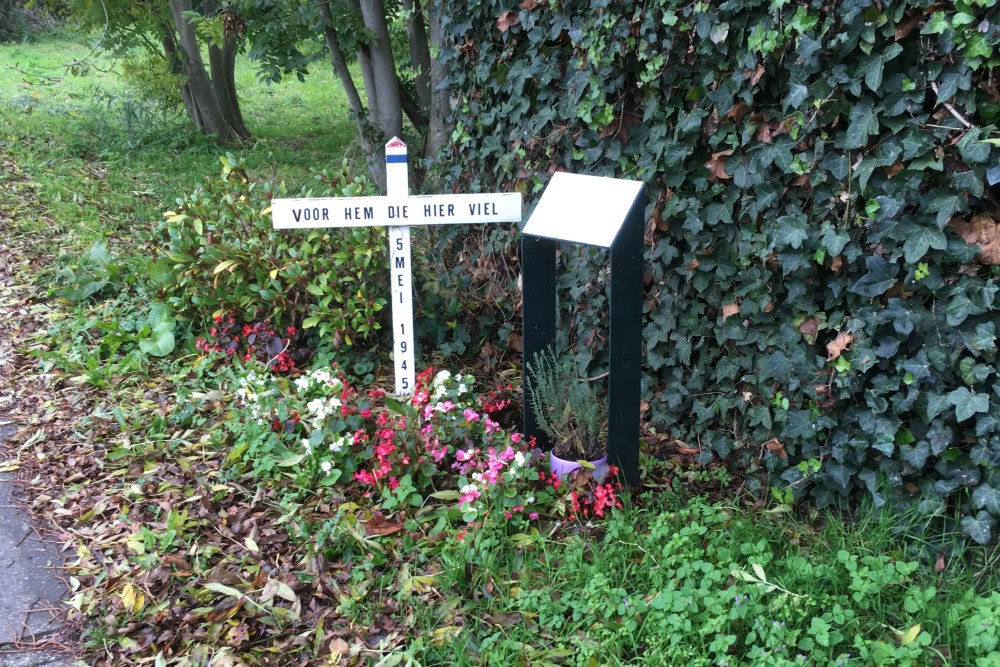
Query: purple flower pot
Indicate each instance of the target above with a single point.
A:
(564, 467)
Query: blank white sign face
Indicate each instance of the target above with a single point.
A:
(583, 209)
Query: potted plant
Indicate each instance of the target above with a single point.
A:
(569, 411)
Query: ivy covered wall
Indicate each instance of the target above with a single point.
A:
(822, 245)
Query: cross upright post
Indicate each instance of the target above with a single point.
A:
(397, 185)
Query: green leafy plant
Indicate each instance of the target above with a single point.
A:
(569, 410)
(218, 253)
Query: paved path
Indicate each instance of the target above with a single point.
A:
(28, 584)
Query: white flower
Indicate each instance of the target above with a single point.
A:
(442, 377)
(469, 488)
(302, 383)
(317, 407)
(529, 500)
(333, 403)
(326, 466)
(462, 388)
(308, 447)
(322, 376)
(338, 444)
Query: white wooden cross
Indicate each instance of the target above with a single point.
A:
(397, 210)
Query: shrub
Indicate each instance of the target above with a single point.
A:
(218, 253)
(822, 246)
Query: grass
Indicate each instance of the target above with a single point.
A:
(102, 159)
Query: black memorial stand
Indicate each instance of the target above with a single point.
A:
(538, 269)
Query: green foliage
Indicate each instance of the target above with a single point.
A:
(220, 254)
(698, 584)
(809, 170)
(13, 22)
(569, 410)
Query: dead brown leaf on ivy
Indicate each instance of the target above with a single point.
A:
(776, 448)
(730, 309)
(529, 5)
(809, 328)
(984, 232)
(838, 345)
(507, 20)
(911, 21)
(738, 111)
(717, 166)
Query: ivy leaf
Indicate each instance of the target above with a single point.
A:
(880, 277)
(937, 25)
(972, 148)
(864, 123)
(936, 404)
(979, 527)
(799, 425)
(791, 231)
(944, 206)
(916, 455)
(834, 241)
(948, 86)
(986, 497)
(967, 404)
(924, 238)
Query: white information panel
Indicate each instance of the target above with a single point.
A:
(397, 211)
(583, 209)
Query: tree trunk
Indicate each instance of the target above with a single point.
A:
(420, 53)
(440, 106)
(376, 165)
(211, 99)
(387, 110)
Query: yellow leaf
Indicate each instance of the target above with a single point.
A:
(910, 635)
(131, 599)
(225, 264)
(251, 544)
(274, 273)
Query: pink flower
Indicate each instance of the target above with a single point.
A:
(533, 516)
(515, 437)
(447, 406)
(470, 415)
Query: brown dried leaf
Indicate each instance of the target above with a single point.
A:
(738, 111)
(984, 232)
(529, 5)
(717, 166)
(838, 345)
(339, 651)
(940, 564)
(809, 328)
(907, 25)
(776, 448)
(730, 309)
(507, 20)
(379, 525)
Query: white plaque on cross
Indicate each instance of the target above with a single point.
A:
(398, 211)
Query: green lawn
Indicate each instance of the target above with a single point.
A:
(102, 159)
